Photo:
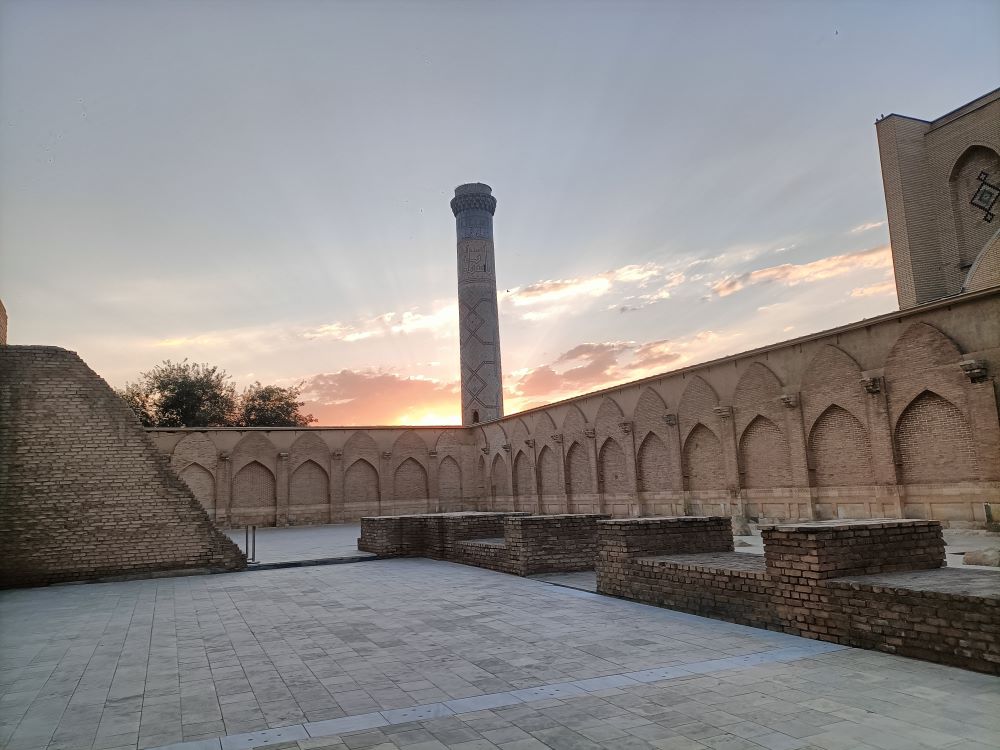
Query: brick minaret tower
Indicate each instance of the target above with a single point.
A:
(479, 322)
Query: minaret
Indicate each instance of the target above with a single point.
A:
(478, 320)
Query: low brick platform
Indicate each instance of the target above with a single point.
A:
(516, 543)
(869, 584)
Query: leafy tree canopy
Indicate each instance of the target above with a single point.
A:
(187, 394)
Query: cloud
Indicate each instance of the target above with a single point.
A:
(441, 322)
(593, 366)
(882, 288)
(792, 274)
(552, 297)
(376, 397)
(866, 226)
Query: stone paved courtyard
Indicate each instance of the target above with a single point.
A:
(427, 655)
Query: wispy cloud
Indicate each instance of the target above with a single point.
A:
(881, 289)
(866, 226)
(442, 321)
(792, 274)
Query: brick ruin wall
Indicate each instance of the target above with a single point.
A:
(890, 417)
(842, 584)
(83, 492)
(515, 543)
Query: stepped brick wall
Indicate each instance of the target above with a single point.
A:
(515, 543)
(874, 584)
(895, 416)
(83, 492)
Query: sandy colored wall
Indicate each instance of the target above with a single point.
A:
(878, 418)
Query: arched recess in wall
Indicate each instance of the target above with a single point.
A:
(653, 464)
(548, 471)
(971, 230)
(450, 484)
(409, 487)
(934, 442)
(578, 477)
(703, 468)
(609, 416)
(839, 449)
(612, 476)
(757, 385)
(696, 404)
(524, 481)
(764, 459)
(202, 485)
(361, 490)
(254, 499)
(195, 448)
(482, 481)
(919, 348)
(499, 483)
(309, 494)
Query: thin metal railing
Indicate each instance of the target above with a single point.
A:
(250, 543)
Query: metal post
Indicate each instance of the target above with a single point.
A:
(253, 540)
(246, 542)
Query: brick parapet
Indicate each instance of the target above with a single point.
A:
(834, 549)
(946, 616)
(511, 542)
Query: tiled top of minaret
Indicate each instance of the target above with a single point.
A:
(473, 195)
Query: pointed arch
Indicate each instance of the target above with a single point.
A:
(548, 472)
(612, 476)
(764, 458)
(254, 446)
(195, 447)
(609, 415)
(653, 464)
(309, 447)
(696, 404)
(579, 479)
(649, 411)
(703, 468)
(409, 445)
(202, 486)
(574, 421)
(839, 450)
(482, 483)
(360, 445)
(524, 481)
(544, 426)
(499, 482)
(309, 494)
(757, 385)
(361, 490)
(254, 498)
(971, 231)
(934, 442)
(920, 347)
(450, 484)
(409, 487)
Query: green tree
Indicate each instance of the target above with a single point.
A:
(182, 394)
(271, 406)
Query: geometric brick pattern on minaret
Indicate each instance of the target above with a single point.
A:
(478, 318)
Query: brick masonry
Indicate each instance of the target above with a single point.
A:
(874, 584)
(515, 543)
(894, 416)
(83, 492)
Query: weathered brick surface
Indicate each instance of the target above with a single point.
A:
(83, 492)
(878, 418)
(873, 585)
(516, 543)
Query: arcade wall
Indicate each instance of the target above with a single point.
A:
(894, 416)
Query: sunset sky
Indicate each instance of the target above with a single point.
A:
(264, 185)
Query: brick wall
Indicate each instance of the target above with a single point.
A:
(83, 492)
(515, 543)
(873, 419)
(868, 584)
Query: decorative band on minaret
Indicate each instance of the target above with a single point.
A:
(478, 319)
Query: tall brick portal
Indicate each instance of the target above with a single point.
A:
(479, 322)
(83, 492)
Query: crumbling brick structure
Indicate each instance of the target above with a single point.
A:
(83, 492)
(874, 584)
(515, 543)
